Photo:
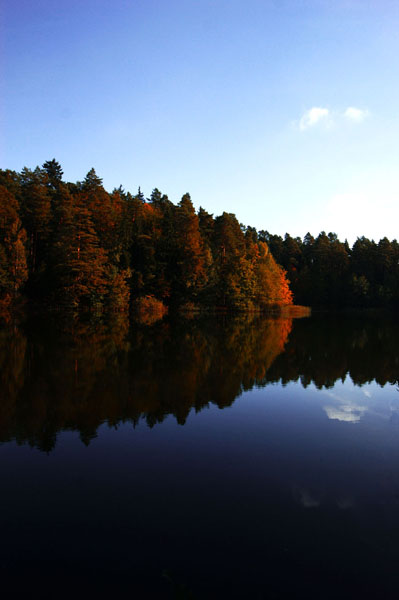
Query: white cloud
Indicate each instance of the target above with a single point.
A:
(318, 115)
(347, 410)
(350, 413)
(357, 115)
(313, 116)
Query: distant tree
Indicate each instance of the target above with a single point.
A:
(92, 181)
(54, 173)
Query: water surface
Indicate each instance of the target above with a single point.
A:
(221, 458)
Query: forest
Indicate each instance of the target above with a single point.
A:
(77, 247)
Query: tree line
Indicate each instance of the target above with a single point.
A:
(326, 272)
(76, 246)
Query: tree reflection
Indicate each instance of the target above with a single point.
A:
(324, 350)
(75, 376)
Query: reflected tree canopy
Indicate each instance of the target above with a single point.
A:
(58, 377)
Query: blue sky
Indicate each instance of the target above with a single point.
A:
(285, 113)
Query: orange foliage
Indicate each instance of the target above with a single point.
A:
(149, 310)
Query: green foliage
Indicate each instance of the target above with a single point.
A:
(324, 271)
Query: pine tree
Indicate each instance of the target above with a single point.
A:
(13, 264)
(79, 261)
(190, 262)
(229, 260)
(54, 173)
(36, 218)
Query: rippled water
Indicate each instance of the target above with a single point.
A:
(237, 458)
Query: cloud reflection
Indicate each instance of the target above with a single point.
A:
(307, 500)
(346, 410)
(350, 413)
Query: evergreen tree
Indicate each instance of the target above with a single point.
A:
(13, 265)
(54, 173)
(36, 217)
(229, 256)
(80, 262)
(190, 274)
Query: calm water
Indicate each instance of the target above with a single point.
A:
(203, 459)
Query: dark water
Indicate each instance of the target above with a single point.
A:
(217, 459)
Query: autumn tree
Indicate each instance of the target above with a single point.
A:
(229, 251)
(13, 264)
(79, 261)
(190, 275)
(36, 218)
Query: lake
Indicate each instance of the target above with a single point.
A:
(202, 458)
